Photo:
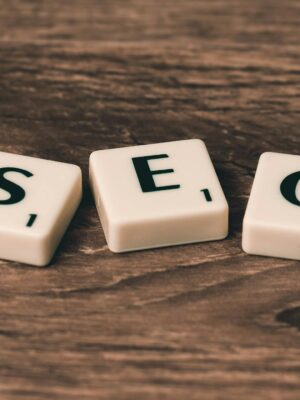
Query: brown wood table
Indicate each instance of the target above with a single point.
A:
(201, 321)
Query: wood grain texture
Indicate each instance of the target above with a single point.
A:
(202, 321)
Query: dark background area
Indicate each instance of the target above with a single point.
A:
(202, 321)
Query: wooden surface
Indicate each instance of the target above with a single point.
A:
(202, 321)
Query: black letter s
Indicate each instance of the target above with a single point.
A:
(17, 194)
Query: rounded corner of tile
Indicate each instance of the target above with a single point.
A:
(224, 235)
(115, 249)
(266, 155)
(93, 155)
(198, 141)
(77, 169)
(246, 248)
(43, 264)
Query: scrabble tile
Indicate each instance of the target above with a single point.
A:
(38, 198)
(272, 221)
(158, 195)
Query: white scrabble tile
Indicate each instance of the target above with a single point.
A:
(158, 195)
(38, 198)
(272, 221)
